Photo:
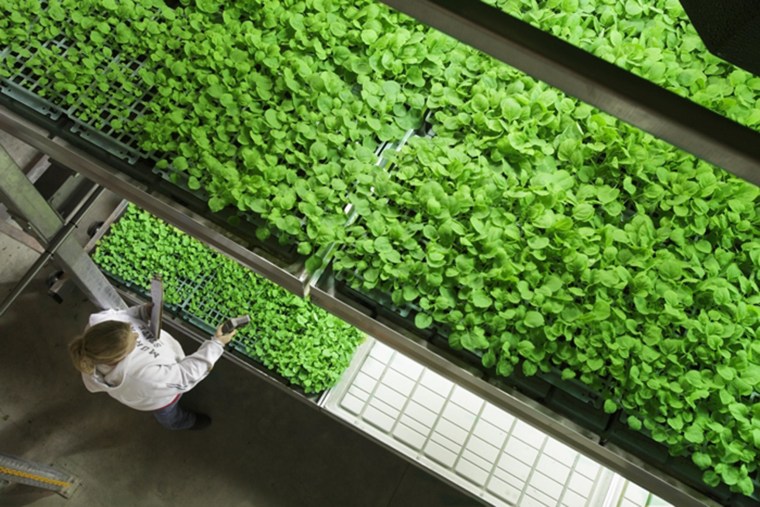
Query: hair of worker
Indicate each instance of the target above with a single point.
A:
(104, 343)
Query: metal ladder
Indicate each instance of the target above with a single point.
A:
(48, 201)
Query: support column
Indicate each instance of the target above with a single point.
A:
(20, 195)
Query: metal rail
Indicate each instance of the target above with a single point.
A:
(634, 100)
(419, 350)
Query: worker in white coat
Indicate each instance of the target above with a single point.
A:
(115, 357)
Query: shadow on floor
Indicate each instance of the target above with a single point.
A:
(264, 448)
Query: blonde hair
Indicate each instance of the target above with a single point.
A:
(104, 343)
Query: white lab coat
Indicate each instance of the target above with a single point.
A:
(154, 373)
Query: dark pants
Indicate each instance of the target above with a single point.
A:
(174, 416)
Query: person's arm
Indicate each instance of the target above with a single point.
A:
(140, 312)
(185, 374)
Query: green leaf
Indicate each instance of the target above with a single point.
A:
(746, 486)
(304, 248)
(369, 36)
(670, 269)
(538, 242)
(607, 194)
(270, 116)
(313, 263)
(208, 6)
(510, 109)
(730, 475)
(534, 319)
(180, 163)
(504, 368)
(525, 348)
(739, 411)
(178, 68)
(481, 300)
(529, 368)
(711, 478)
(633, 8)
(216, 204)
(726, 372)
(694, 434)
(318, 151)
(610, 407)
(675, 422)
(583, 212)
(423, 320)
(702, 460)
(474, 340)
(703, 246)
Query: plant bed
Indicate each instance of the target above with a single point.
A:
(637, 443)
(533, 387)
(288, 335)
(654, 40)
(243, 350)
(575, 388)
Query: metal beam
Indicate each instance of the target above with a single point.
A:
(580, 74)
(9, 229)
(20, 195)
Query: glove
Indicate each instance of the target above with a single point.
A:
(222, 338)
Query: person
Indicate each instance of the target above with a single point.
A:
(115, 357)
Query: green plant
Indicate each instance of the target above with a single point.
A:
(287, 334)
(533, 230)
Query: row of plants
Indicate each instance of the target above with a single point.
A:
(532, 270)
(531, 229)
(653, 39)
(287, 334)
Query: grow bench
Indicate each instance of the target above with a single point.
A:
(103, 136)
(203, 318)
(569, 398)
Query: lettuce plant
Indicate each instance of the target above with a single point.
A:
(287, 334)
(531, 229)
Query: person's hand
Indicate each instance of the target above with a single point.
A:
(145, 311)
(224, 338)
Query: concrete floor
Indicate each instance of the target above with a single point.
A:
(264, 448)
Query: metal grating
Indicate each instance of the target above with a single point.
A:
(101, 131)
(462, 438)
(38, 93)
(31, 90)
(199, 306)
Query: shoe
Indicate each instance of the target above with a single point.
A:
(202, 421)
